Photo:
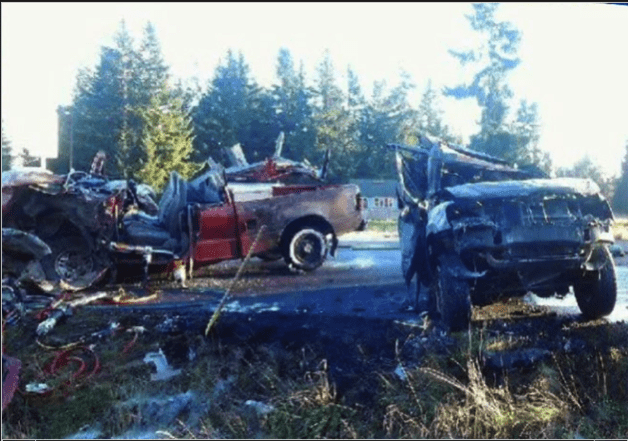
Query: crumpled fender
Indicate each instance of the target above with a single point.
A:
(14, 240)
(438, 219)
(455, 267)
(412, 232)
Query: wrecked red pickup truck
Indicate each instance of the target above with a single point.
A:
(201, 222)
(81, 225)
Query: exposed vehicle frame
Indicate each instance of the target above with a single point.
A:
(474, 229)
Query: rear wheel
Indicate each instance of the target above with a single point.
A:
(306, 249)
(73, 261)
(452, 297)
(595, 290)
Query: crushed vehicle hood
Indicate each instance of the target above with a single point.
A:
(273, 169)
(524, 188)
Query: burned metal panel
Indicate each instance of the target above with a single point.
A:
(431, 166)
(337, 204)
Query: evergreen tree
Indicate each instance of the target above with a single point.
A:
(377, 129)
(492, 62)
(7, 151)
(103, 113)
(108, 103)
(223, 115)
(152, 71)
(166, 140)
(335, 129)
(387, 118)
(586, 168)
(402, 115)
(619, 200)
(355, 97)
(430, 117)
(292, 109)
(525, 128)
(131, 87)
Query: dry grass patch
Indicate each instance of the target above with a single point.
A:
(620, 229)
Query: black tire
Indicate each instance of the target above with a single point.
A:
(306, 249)
(452, 298)
(72, 260)
(595, 290)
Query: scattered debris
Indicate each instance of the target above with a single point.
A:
(37, 388)
(164, 370)
(260, 408)
(400, 372)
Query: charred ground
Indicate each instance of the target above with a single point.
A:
(314, 364)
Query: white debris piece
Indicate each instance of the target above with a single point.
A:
(164, 370)
(45, 326)
(259, 407)
(38, 388)
(400, 372)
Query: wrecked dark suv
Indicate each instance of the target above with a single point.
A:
(474, 229)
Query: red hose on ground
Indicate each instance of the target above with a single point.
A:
(64, 357)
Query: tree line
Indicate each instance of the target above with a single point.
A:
(130, 107)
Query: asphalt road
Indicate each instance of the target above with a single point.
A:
(364, 280)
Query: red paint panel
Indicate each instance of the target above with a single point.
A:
(217, 236)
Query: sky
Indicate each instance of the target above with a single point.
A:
(574, 58)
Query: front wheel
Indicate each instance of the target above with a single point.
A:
(306, 249)
(452, 296)
(595, 290)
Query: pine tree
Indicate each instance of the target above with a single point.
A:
(525, 128)
(223, 115)
(430, 117)
(335, 129)
(292, 109)
(105, 114)
(166, 140)
(300, 137)
(355, 97)
(492, 61)
(586, 168)
(401, 113)
(102, 115)
(152, 72)
(130, 87)
(7, 151)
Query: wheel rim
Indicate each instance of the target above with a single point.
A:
(71, 265)
(308, 247)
